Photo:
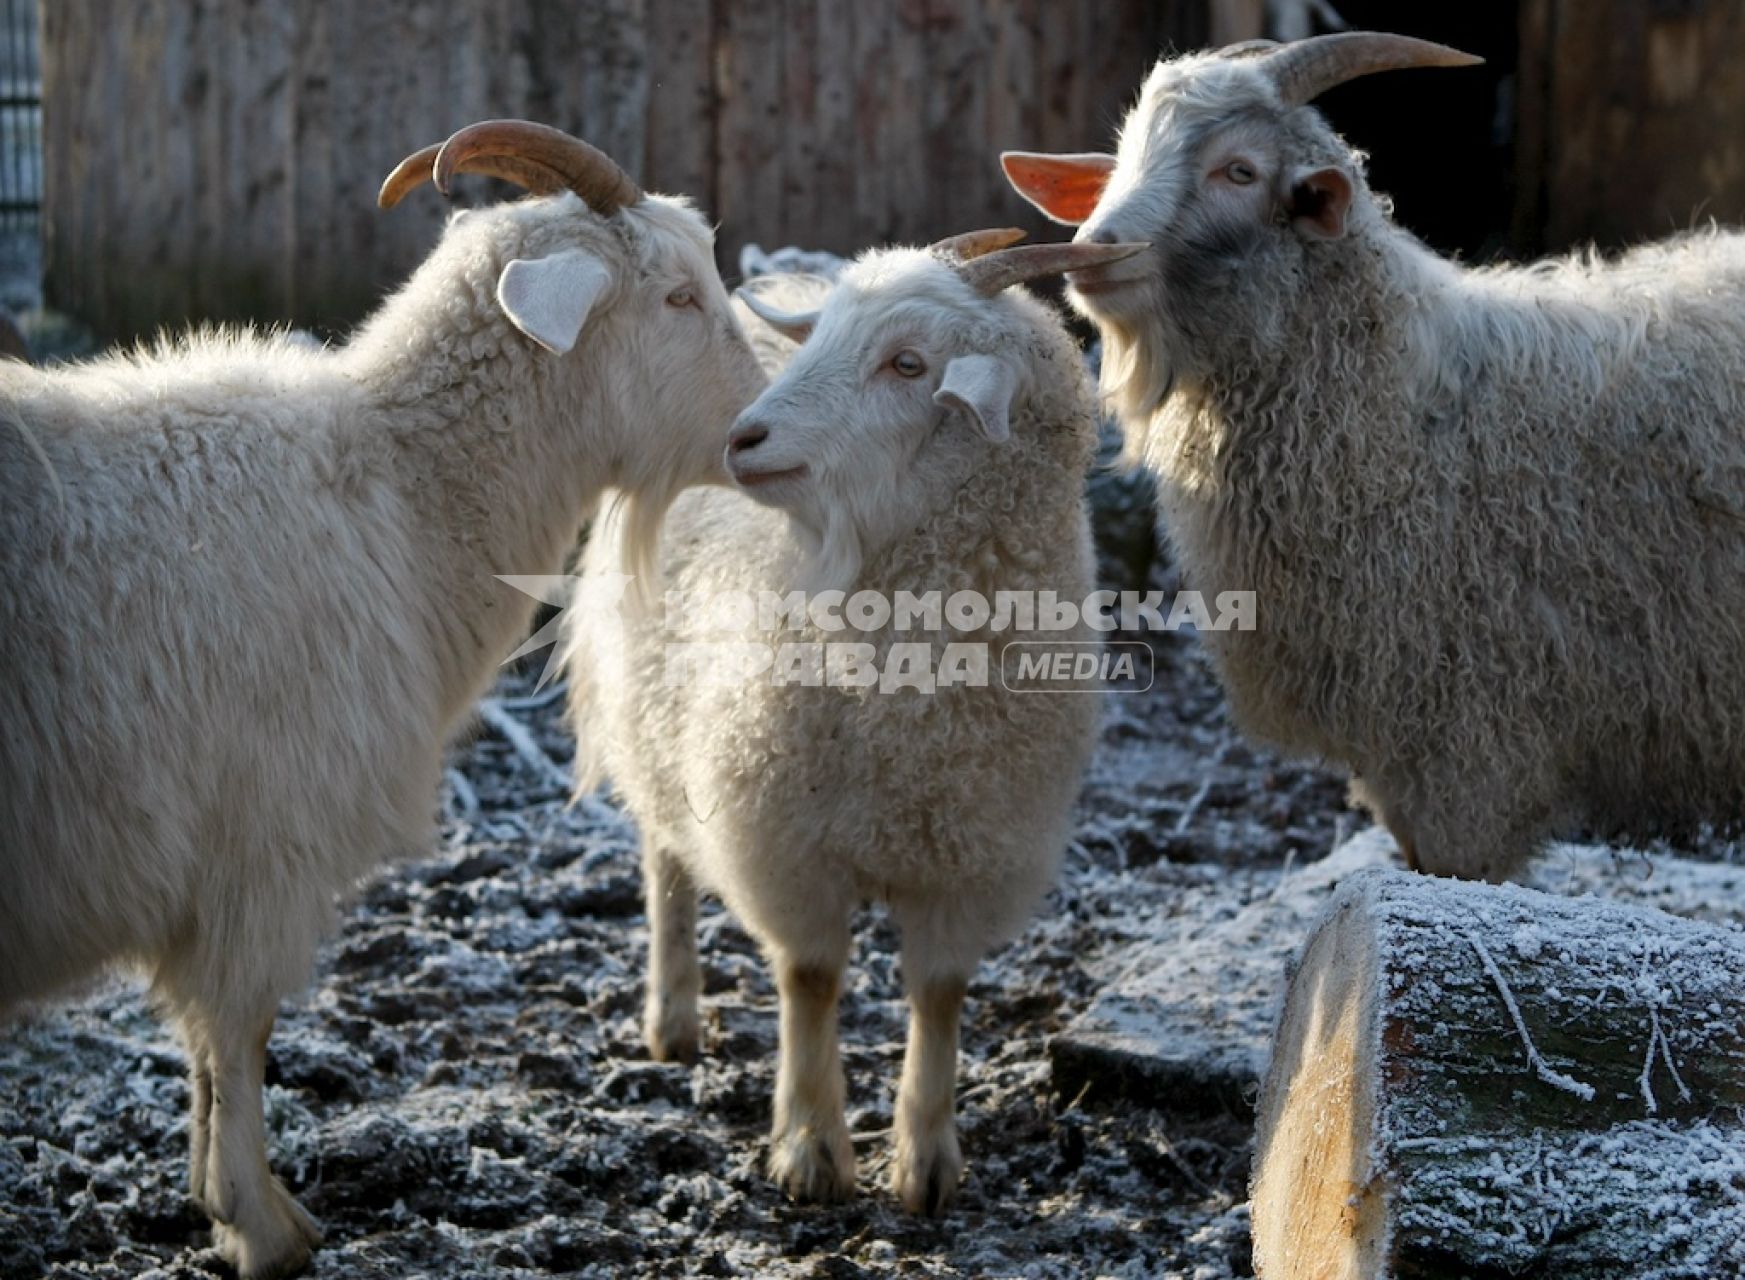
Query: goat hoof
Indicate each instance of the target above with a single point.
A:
(925, 1174)
(275, 1241)
(671, 1035)
(812, 1166)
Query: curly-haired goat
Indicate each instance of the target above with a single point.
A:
(931, 436)
(1495, 518)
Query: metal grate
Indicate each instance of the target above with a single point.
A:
(20, 118)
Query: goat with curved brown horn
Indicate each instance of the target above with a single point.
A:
(538, 363)
(1440, 473)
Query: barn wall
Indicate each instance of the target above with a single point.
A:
(1631, 119)
(219, 158)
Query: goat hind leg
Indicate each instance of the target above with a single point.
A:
(199, 1113)
(260, 1230)
(675, 979)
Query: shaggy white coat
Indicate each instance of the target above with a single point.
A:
(797, 804)
(247, 592)
(1495, 518)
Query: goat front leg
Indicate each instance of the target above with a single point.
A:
(260, 1230)
(928, 1160)
(675, 979)
(811, 1155)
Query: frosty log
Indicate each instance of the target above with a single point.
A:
(1473, 1081)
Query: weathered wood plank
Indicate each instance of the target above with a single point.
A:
(873, 28)
(679, 143)
(211, 159)
(1610, 85)
(750, 129)
(833, 156)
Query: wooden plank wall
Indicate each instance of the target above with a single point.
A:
(1631, 119)
(218, 159)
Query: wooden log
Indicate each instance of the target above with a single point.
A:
(1477, 1081)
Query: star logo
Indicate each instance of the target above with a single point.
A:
(598, 598)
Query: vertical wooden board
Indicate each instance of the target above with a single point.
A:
(955, 40)
(1015, 111)
(145, 288)
(1120, 57)
(1012, 108)
(367, 250)
(749, 150)
(254, 159)
(184, 84)
(64, 41)
(912, 195)
(835, 159)
(1534, 70)
(872, 28)
(679, 139)
(802, 200)
(1580, 63)
(1065, 122)
(626, 81)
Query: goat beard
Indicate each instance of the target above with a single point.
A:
(833, 552)
(1137, 376)
(639, 551)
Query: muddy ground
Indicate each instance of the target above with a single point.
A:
(463, 1090)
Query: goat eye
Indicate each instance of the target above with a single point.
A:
(682, 297)
(908, 364)
(1240, 172)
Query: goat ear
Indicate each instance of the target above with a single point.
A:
(1318, 203)
(982, 386)
(1066, 188)
(549, 299)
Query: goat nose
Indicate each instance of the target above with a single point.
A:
(748, 436)
(1104, 235)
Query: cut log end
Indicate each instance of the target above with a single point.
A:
(1316, 1213)
(1473, 1080)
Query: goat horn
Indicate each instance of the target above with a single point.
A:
(1006, 267)
(1306, 69)
(973, 244)
(534, 156)
(420, 167)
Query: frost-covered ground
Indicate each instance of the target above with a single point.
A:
(463, 1090)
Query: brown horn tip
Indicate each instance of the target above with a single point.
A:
(420, 167)
(410, 174)
(1006, 267)
(1303, 71)
(973, 244)
(562, 160)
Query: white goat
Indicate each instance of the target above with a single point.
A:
(237, 635)
(1493, 517)
(931, 435)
